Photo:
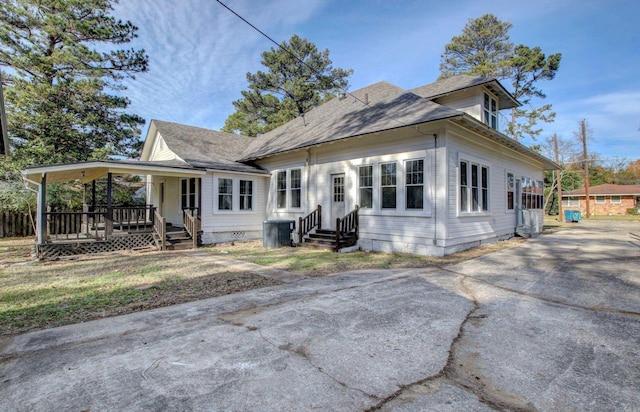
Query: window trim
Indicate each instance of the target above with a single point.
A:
(490, 110)
(387, 186)
(287, 189)
(407, 185)
(481, 207)
(616, 202)
(600, 200)
(226, 194)
(244, 196)
(293, 189)
(570, 201)
(511, 189)
(361, 187)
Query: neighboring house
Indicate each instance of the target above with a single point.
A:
(428, 169)
(607, 199)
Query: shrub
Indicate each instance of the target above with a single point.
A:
(632, 211)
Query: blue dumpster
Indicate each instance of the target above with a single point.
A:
(572, 216)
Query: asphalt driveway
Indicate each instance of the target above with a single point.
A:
(552, 324)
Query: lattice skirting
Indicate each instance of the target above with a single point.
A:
(127, 242)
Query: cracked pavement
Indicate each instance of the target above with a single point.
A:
(551, 324)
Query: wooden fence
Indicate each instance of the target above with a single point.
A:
(16, 224)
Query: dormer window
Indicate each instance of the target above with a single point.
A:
(490, 111)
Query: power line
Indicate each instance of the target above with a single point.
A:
(313, 70)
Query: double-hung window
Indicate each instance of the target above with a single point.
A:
(225, 194)
(511, 188)
(365, 186)
(490, 109)
(601, 200)
(414, 183)
(289, 189)
(388, 185)
(474, 187)
(246, 195)
(616, 200)
(296, 188)
(281, 190)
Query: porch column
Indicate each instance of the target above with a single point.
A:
(109, 218)
(41, 218)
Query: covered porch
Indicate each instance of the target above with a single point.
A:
(99, 228)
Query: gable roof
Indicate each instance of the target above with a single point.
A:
(205, 148)
(389, 107)
(461, 82)
(606, 189)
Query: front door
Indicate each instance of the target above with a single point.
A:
(337, 198)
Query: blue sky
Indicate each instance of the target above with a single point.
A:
(199, 53)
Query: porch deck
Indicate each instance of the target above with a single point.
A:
(107, 230)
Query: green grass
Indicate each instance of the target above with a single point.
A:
(617, 218)
(315, 262)
(46, 294)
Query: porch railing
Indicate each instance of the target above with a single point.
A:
(347, 227)
(308, 223)
(96, 223)
(76, 225)
(129, 218)
(160, 230)
(191, 224)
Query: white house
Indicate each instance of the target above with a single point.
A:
(422, 171)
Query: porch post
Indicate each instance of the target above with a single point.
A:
(109, 218)
(93, 195)
(41, 220)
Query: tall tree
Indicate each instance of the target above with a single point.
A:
(65, 73)
(299, 78)
(484, 49)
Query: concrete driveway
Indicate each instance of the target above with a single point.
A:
(552, 324)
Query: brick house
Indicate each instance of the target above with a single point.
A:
(607, 199)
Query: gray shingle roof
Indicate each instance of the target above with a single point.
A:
(389, 107)
(205, 148)
(461, 82)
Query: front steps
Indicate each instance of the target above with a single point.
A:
(326, 239)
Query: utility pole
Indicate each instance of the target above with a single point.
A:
(558, 177)
(583, 137)
(4, 139)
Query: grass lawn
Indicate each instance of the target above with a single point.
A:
(37, 295)
(318, 262)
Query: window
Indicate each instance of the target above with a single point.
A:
(616, 200)
(188, 193)
(601, 200)
(281, 190)
(246, 195)
(225, 194)
(296, 188)
(485, 188)
(414, 184)
(365, 186)
(571, 201)
(490, 111)
(474, 187)
(338, 189)
(388, 185)
(511, 187)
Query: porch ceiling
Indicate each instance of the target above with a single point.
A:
(88, 171)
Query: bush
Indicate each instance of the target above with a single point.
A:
(632, 211)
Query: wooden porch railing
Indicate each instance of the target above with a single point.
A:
(160, 229)
(75, 225)
(129, 218)
(347, 225)
(308, 223)
(191, 224)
